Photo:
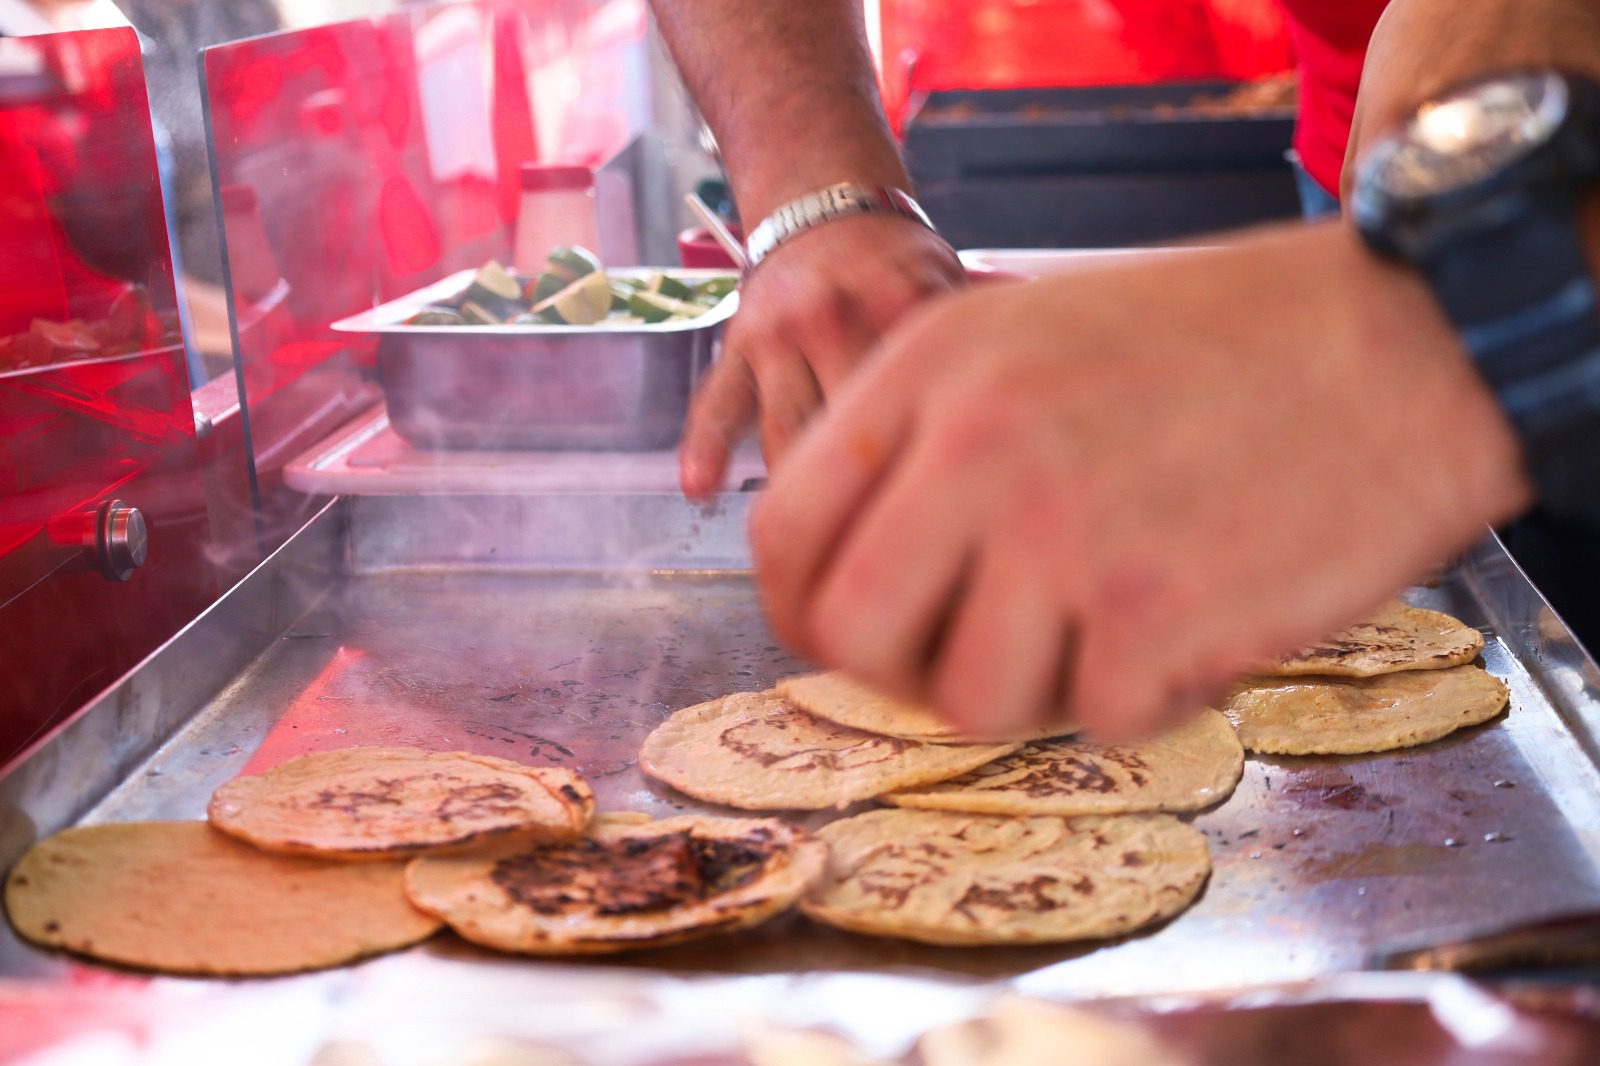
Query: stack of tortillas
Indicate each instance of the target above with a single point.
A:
(1002, 852)
(305, 866)
(1403, 677)
(784, 750)
(822, 740)
(269, 886)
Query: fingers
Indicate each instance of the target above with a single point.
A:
(813, 498)
(789, 395)
(807, 321)
(721, 413)
(875, 616)
(837, 340)
(998, 668)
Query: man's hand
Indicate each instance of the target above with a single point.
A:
(1101, 496)
(1422, 48)
(789, 90)
(806, 318)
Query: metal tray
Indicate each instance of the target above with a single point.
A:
(562, 629)
(536, 386)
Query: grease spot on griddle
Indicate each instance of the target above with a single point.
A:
(1380, 860)
(1333, 788)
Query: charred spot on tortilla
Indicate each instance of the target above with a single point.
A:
(630, 876)
(1196, 765)
(370, 802)
(1395, 638)
(628, 883)
(952, 878)
(758, 751)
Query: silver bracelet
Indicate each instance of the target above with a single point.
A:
(824, 205)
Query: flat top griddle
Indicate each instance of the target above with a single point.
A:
(562, 629)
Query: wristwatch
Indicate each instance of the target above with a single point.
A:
(1479, 191)
(824, 205)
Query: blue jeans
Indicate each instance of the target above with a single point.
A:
(1315, 201)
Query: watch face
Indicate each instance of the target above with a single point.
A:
(1472, 134)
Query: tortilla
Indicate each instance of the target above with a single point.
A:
(181, 897)
(1194, 766)
(759, 752)
(624, 885)
(967, 879)
(376, 803)
(1396, 638)
(1355, 716)
(839, 699)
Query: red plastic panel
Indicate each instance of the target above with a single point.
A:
(94, 395)
(361, 160)
(1013, 44)
(365, 159)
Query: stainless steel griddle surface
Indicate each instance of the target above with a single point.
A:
(1317, 861)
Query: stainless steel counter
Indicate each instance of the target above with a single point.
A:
(562, 629)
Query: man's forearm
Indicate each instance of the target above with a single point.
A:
(789, 90)
(1425, 47)
(1422, 48)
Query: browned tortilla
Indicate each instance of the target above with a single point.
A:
(947, 878)
(1396, 638)
(627, 884)
(757, 751)
(1196, 765)
(1359, 715)
(361, 803)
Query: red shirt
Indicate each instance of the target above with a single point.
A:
(1330, 39)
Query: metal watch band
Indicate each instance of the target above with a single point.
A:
(825, 205)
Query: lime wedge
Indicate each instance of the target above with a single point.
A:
(495, 281)
(667, 285)
(543, 287)
(582, 303)
(714, 289)
(653, 307)
(570, 262)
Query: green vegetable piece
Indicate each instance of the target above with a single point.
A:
(542, 288)
(475, 314)
(716, 289)
(653, 307)
(669, 286)
(493, 282)
(570, 262)
(436, 316)
(583, 303)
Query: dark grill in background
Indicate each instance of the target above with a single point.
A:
(1101, 167)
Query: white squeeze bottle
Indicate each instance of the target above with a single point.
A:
(557, 208)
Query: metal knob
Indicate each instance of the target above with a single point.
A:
(122, 543)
